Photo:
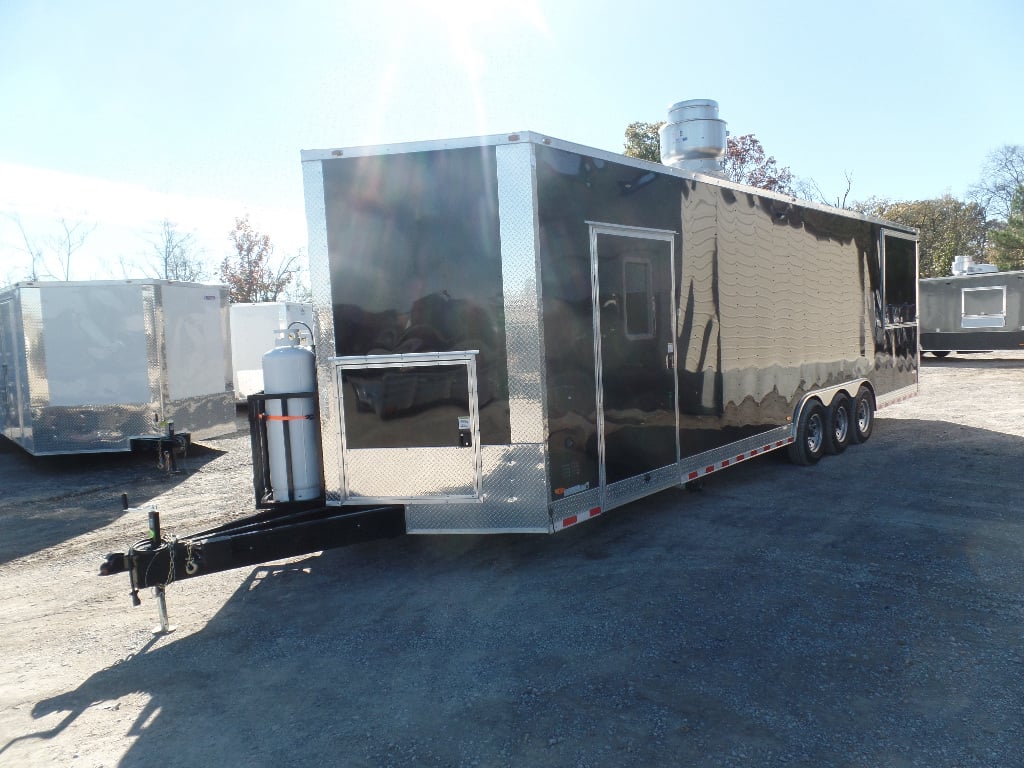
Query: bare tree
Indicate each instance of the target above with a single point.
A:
(67, 241)
(300, 289)
(1001, 175)
(177, 255)
(808, 189)
(31, 248)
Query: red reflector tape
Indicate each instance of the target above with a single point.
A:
(725, 464)
(693, 476)
(569, 521)
(595, 512)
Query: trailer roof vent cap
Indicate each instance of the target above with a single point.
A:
(694, 138)
(964, 265)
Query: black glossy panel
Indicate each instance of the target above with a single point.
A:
(415, 262)
(638, 404)
(405, 407)
(573, 189)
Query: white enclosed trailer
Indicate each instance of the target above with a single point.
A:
(253, 327)
(90, 366)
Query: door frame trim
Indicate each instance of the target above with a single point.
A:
(413, 360)
(597, 229)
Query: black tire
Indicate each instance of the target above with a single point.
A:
(940, 353)
(840, 424)
(811, 436)
(863, 415)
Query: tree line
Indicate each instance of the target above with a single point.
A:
(250, 269)
(988, 226)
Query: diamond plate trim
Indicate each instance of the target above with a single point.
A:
(637, 487)
(323, 327)
(517, 200)
(513, 501)
(387, 474)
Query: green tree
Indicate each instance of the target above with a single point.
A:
(249, 273)
(643, 141)
(745, 161)
(1008, 241)
(948, 227)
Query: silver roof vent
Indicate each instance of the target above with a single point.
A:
(694, 138)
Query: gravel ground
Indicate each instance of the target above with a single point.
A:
(867, 611)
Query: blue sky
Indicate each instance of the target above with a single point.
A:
(122, 114)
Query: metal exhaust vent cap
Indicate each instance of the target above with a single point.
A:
(694, 138)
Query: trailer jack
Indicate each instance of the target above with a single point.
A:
(157, 561)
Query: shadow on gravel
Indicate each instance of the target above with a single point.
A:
(855, 613)
(47, 500)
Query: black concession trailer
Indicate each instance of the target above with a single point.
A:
(515, 333)
(972, 312)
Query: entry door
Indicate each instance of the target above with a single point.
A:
(409, 427)
(634, 311)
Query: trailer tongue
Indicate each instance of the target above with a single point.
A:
(157, 561)
(285, 526)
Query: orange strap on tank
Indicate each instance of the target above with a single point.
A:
(269, 417)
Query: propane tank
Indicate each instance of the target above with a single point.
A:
(292, 443)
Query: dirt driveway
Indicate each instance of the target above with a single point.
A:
(864, 612)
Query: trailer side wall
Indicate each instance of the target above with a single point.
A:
(616, 324)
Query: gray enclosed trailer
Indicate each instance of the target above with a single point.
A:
(517, 333)
(90, 366)
(972, 312)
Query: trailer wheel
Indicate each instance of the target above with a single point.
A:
(811, 435)
(940, 353)
(840, 423)
(863, 415)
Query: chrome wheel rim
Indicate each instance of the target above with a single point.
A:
(815, 433)
(863, 416)
(842, 425)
